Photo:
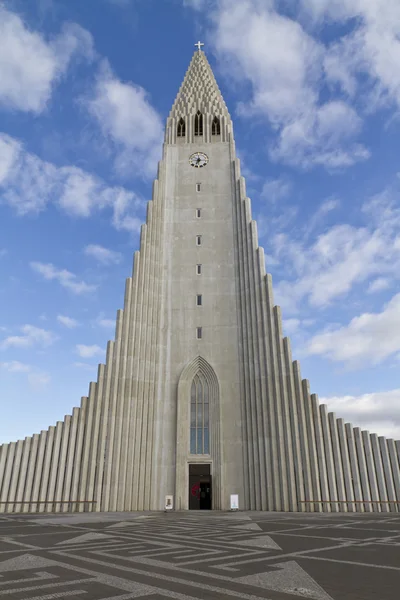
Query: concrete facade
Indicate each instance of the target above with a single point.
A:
(199, 268)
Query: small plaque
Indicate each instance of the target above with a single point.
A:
(234, 502)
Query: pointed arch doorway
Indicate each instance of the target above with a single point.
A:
(198, 449)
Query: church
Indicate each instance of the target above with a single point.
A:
(199, 398)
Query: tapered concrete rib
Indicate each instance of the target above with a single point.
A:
(394, 461)
(319, 440)
(344, 451)
(15, 470)
(70, 459)
(102, 448)
(308, 489)
(8, 450)
(23, 473)
(3, 458)
(86, 447)
(362, 466)
(78, 452)
(117, 480)
(54, 466)
(281, 475)
(312, 448)
(44, 483)
(354, 467)
(371, 469)
(380, 476)
(387, 469)
(41, 449)
(329, 461)
(298, 465)
(337, 460)
(61, 465)
(30, 471)
(291, 503)
(109, 494)
(95, 463)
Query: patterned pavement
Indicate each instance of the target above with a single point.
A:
(200, 555)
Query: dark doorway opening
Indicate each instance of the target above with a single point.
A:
(200, 487)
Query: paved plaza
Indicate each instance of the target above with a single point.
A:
(200, 555)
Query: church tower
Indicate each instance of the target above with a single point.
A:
(199, 397)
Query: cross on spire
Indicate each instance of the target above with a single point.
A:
(199, 45)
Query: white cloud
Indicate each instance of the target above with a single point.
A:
(82, 365)
(39, 380)
(341, 257)
(88, 351)
(29, 184)
(379, 284)
(368, 339)
(285, 84)
(30, 66)
(65, 278)
(31, 336)
(106, 323)
(127, 118)
(15, 366)
(102, 255)
(67, 321)
(274, 190)
(377, 412)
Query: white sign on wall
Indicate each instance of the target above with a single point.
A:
(169, 502)
(234, 502)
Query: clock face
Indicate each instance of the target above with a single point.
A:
(198, 159)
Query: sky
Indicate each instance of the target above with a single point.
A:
(313, 88)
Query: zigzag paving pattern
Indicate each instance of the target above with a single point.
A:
(200, 555)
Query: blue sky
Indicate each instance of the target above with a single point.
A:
(313, 87)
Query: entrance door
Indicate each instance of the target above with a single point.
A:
(199, 487)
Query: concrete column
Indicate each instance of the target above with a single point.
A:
(62, 466)
(369, 457)
(44, 484)
(380, 476)
(78, 462)
(55, 466)
(319, 440)
(346, 465)
(86, 446)
(298, 466)
(312, 448)
(299, 407)
(395, 469)
(26, 444)
(96, 463)
(38, 466)
(330, 465)
(286, 409)
(355, 474)
(14, 474)
(69, 460)
(30, 471)
(3, 457)
(104, 423)
(362, 465)
(337, 459)
(388, 473)
(7, 474)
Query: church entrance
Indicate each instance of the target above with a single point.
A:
(199, 487)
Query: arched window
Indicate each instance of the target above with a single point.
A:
(216, 126)
(199, 416)
(181, 128)
(198, 124)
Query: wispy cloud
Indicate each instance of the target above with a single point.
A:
(65, 278)
(88, 351)
(128, 120)
(103, 255)
(67, 321)
(30, 66)
(28, 184)
(31, 336)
